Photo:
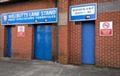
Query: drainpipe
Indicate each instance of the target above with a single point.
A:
(57, 32)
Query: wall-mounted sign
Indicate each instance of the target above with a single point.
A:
(30, 17)
(83, 12)
(106, 28)
(21, 31)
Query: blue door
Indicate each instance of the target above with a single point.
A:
(9, 41)
(48, 42)
(88, 42)
(43, 42)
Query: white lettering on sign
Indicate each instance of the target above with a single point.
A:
(32, 14)
(48, 12)
(21, 15)
(86, 10)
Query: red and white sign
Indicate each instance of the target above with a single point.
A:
(21, 31)
(106, 28)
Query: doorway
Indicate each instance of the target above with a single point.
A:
(88, 42)
(43, 42)
(9, 41)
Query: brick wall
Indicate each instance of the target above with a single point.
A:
(63, 34)
(54, 42)
(2, 44)
(75, 33)
(78, 2)
(107, 48)
(22, 48)
(25, 6)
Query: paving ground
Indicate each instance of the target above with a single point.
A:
(10, 67)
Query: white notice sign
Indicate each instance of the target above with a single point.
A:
(21, 31)
(106, 28)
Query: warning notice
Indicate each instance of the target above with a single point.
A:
(106, 28)
(21, 31)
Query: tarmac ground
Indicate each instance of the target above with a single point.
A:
(12, 67)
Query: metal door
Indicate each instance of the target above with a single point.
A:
(48, 42)
(9, 41)
(43, 42)
(88, 42)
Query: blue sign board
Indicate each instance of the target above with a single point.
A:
(30, 17)
(83, 12)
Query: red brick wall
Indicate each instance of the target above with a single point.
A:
(25, 6)
(78, 2)
(54, 42)
(75, 43)
(2, 44)
(69, 46)
(107, 48)
(22, 48)
(63, 34)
